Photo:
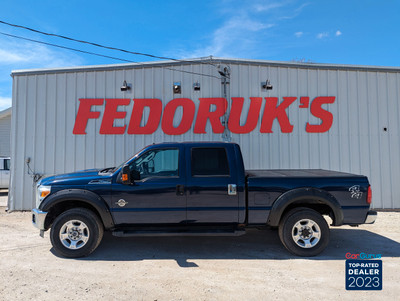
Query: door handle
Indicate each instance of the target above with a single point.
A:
(232, 189)
(180, 189)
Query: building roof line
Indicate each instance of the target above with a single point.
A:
(215, 60)
(5, 112)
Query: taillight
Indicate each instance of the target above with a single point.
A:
(369, 195)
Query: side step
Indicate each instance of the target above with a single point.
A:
(141, 233)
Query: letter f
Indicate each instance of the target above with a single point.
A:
(84, 114)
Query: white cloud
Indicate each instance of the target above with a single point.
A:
(338, 33)
(299, 34)
(294, 13)
(5, 103)
(249, 29)
(244, 28)
(322, 35)
(267, 7)
(16, 55)
(31, 55)
(235, 35)
(7, 57)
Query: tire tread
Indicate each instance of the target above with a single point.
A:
(285, 228)
(89, 217)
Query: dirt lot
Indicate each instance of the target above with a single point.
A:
(251, 267)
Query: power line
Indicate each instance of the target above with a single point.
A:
(68, 48)
(101, 55)
(102, 46)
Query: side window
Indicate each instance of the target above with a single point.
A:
(209, 162)
(158, 163)
(2, 163)
(7, 164)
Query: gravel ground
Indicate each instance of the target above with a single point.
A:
(250, 267)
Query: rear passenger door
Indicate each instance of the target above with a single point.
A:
(211, 183)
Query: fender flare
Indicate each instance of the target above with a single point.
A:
(81, 195)
(306, 195)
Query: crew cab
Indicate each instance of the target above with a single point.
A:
(197, 188)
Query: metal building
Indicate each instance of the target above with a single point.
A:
(5, 130)
(337, 117)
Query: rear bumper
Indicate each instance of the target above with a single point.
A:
(38, 219)
(371, 217)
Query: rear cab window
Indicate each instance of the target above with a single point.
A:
(209, 161)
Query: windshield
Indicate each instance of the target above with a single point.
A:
(119, 166)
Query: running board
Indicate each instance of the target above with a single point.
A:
(121, 233)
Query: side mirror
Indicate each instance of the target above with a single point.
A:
(135, 175)
(126, 175)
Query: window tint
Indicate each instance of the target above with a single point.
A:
(209, 162)
(157, 163)
(7, 164)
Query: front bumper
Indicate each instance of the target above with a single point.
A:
(371, 217)
(38, 219)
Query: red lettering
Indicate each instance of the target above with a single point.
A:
(272, 111)
(325, 116)
(110, 114)
(85, 113)
(204, 113)
(155, 106)
(209, 109)
(187, 116)
(304, 102)
(252, 116)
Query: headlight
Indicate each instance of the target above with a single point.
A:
(42, 192)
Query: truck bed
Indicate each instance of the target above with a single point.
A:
(266, 186)
(296, 173)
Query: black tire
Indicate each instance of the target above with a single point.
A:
(292, 228)
(85, 233)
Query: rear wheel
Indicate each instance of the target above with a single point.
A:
(304, 232)
(76, 233)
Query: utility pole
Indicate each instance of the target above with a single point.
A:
(225, 72)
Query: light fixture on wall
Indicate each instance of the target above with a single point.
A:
(266, 85)
(196, 86)
(177, 88)
(125, 86)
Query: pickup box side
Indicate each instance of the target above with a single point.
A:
(66, 199)
(272, 193)
(305, 197)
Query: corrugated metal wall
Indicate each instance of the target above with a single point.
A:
(45, 105)
(5, 131)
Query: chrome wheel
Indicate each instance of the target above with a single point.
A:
(306, 233)
(74, 234)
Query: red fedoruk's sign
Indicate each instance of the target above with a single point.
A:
(272, 110)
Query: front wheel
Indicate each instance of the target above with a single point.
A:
(76, 233)
(304, 232)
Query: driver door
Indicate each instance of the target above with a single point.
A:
(159, 196)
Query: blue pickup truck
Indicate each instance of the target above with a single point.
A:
(197, 188)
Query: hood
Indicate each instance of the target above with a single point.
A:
(82, 177)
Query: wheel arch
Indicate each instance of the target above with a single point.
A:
(313, 198)
(66, 199)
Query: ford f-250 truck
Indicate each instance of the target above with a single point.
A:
(197, 188)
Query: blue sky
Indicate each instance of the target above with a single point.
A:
(340, 32)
